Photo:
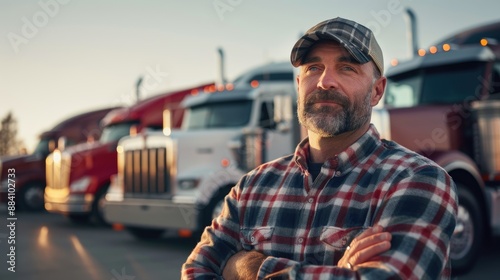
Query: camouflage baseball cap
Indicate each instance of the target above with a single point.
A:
(356, 38)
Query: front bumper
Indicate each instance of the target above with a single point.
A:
(62, 202)
(152, 213)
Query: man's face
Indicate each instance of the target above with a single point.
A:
(336, 93)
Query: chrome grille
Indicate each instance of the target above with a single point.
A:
(146, 172)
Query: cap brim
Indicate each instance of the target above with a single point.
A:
(303, 45)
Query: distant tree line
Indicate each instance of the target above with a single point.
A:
(9, 144)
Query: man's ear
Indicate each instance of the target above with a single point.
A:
(378, 90)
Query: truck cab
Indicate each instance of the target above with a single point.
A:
(445, 105)
(78, 177)
(30, 169)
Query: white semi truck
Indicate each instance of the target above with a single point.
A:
(177, 179)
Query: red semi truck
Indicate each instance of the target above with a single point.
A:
(30, 169)
(78, 177)
(445, 104)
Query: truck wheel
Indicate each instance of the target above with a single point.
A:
(214, 208)
(145, 233)
(98, 206)
(467, 239)
(32, 197)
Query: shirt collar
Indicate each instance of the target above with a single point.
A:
(347, 159)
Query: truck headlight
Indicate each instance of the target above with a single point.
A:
(80, 185)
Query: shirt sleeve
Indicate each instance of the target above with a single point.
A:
(419, 211)
(218, 243)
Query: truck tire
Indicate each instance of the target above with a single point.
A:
(145, 233)
(467, 240)
(97, 214)
(213, 208)
(79, 219)
(31, 197)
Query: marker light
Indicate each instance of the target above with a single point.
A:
(254, 83)
(446, 47)
(421, 52)
(224, 162)
(433, 49)
(483, 42)
(394, 62)
(209, 89)
(185, 233)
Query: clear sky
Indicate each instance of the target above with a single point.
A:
(63, 57)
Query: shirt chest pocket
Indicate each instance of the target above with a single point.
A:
(339, 238)
(255, 238)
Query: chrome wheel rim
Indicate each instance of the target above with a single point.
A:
(463, 236)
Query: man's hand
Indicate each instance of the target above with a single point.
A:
(368, 244)
(243, 265)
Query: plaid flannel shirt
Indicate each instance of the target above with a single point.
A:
(304, 226)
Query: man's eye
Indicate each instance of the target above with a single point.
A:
(312, 68)
(347, 68)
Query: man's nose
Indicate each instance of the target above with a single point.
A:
(328, 80)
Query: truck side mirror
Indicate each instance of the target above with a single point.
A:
(133, 130)
(51, 145)
(283, 112)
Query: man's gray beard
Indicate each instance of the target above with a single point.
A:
(328, 122)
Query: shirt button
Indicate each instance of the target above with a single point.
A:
(310, 200)
(252, 238)
(338, 173)
(300, 240)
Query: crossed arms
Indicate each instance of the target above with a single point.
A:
(405, 234)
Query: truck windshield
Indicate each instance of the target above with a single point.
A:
(448, 84)
(114, 132)
(42, 147)
(218, 115)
